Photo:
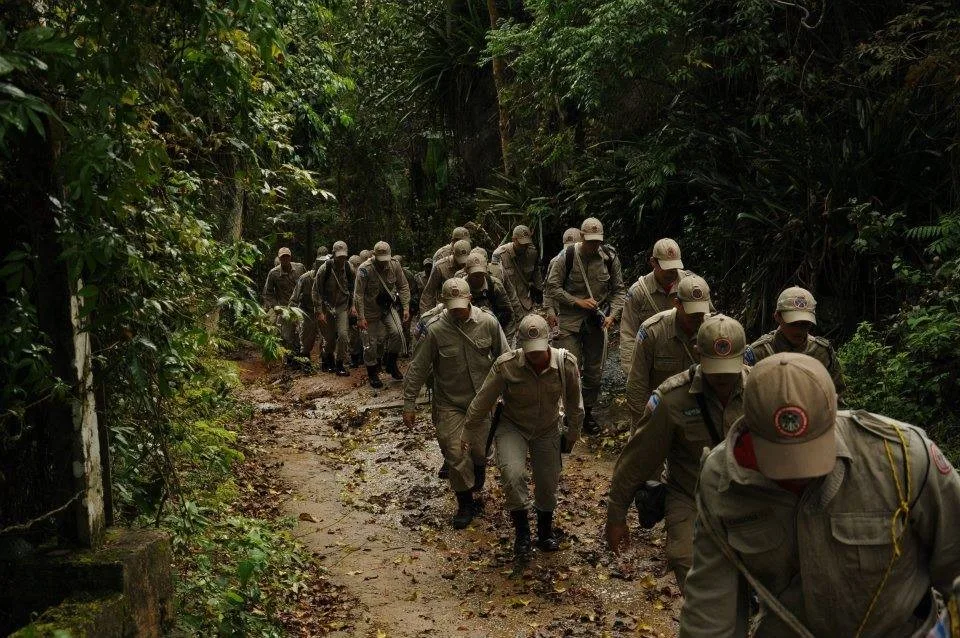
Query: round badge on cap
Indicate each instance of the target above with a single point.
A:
(800, 302)
(696, 293)
(791, 421)
(672, 252)
(722, 346)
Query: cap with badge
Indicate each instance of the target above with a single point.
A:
(797, 304)
(721, 342)
(455, 293)
(479, 250)
(667, 253)
(522, 235)
(533, 333)
(572, 236)
(461, 233)
(340, 249)
(694, 293)
(475, 263)
(790, 408)
(284, 251)
(592, 229)
(461, 248)
(382, 251)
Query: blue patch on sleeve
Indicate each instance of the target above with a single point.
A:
(652, 403)
(749, 356)
(641, 334)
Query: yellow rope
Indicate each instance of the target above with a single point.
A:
(898, 522)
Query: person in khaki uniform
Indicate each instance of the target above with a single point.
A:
(457, 351)
(533, 381)
(302, 298)
(665, 344)
(356, 343)
(842, 522)
(381, 298)
(570, 236)
(586, 288)
(447, 249)
(281, 280)
(650, 294)
(795, 315)
(443, 269)
(520, 261)
(332, 300)
(690, 411)
(489, 292)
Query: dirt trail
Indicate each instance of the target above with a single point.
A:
(368, 501)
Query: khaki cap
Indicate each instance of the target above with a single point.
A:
(694, 293)
(533, 333)
(721, 342)
(667, 253)
(340, 249)
(572, 236)
(797, 304)
(479, 250)
(592, 229)
(460, 250)
(382, 251)
(427, 262)
(455, 293)
(284, 251)
(322, 251)
(522, 235)
(365, 254)
(460, 233)
(790, 408)
(355, 260)
(475, 263)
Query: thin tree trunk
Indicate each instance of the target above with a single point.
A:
(499, 83)
(233, 229)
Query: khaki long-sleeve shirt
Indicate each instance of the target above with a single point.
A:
(817, 347)
(368, 286)
(824, 553)
(302, 296)
(458, 355)
(663, 350)
(637, 308)
(442, 270)
(280, 284)
(673, 429)
(333, 286)
(522, 270)
(605, 283)
(531, 401)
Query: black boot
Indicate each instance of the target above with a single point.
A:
(390, 365)
(355, 359)
(464, 510)
(327, 364)
(479, 480)
(546, 541)
(521, 542)
(590, 425)
(340, 370)
(375, 381)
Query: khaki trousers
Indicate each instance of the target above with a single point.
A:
(451, 436)
(336, 334)
(587, 346)
(381, 336)
(307, 334)
(513, 446)
(681, 512)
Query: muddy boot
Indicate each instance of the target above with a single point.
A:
(355, 358)
(590, 425)
(375, 381)
(340, 370)
(464, 510)
(521, 542)
(546, 541)
(390, 365)
(444, 471)
(479, 480)
(326, 364)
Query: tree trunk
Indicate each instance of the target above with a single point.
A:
(233, 226)
(499, 82)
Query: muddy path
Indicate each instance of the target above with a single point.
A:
(369, 504)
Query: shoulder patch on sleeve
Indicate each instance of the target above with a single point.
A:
(642, 334)
(943, 465)
(749, 356)
(652, 403)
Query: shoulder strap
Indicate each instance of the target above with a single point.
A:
(568, 262)
(583, 271)
(705, 413)
(646, 293)
(562, 354)
(768, 598)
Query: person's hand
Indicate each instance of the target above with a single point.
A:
(566, 444)
(406, 315)
(409, 418)
(353, 311)
(322, 318)
(607, 322)
(552, 321)
(362, 324)
(618, 537)
(587, 304)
